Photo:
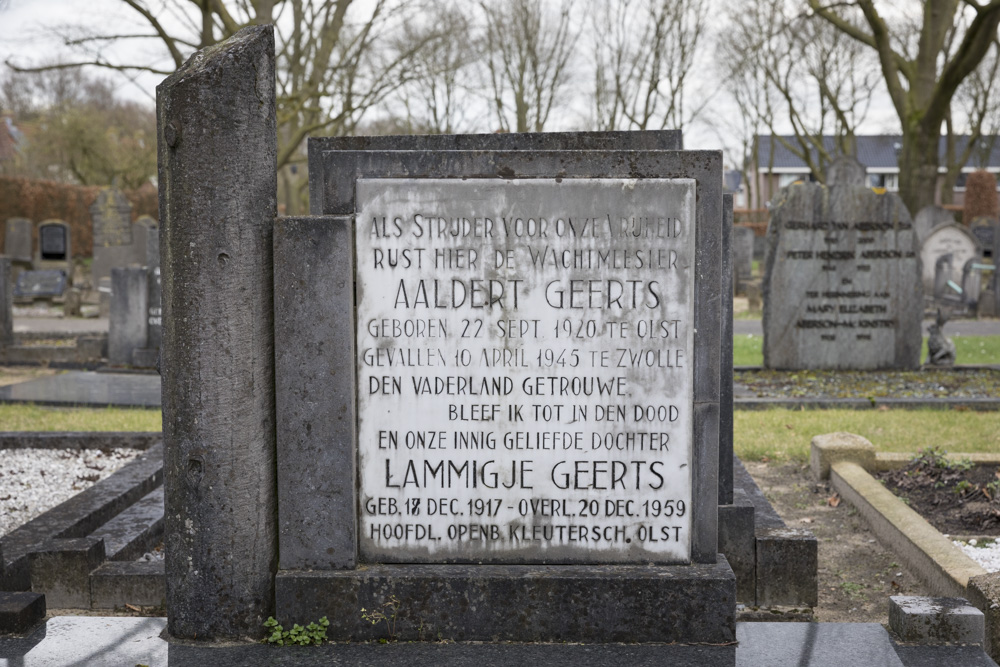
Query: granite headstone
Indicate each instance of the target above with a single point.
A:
(742, 254)
(42, 284)
(54, 246)
(984, 230)
(842, 278)
(111, 217)
(18, 242)
(930, 217)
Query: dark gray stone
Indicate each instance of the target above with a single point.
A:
(55, 247)
(41, 284)
(314, 379)
(936, 620)
(128, 328)
(787, 559)
(341, 169)
(117, 583)
(320, 147)
(146, 241)
(726, 362)
(78, 440)
(738, 544)
(61, 570)
(18, 242)
(984, 230)
(20, 611)
(136, 530)
(983, 592)
(936, 656)
(610, 603)
(6, 303)
(841, 281)
(814, 645)
(217, 152)
(87, 388)
(154, 312)
(930, 217)
(743, 253)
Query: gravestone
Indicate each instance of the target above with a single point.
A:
(742, 255)
(6, 303)
(573, 388)
(841, 282)
(43, 284)
(127, 328)
(111, 217)
(146, 242)
(949, 239)
(18, 243)
(930, 217)
(984, 231)
(54, 246)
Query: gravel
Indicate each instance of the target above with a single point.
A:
(33, 481)
(987, 553)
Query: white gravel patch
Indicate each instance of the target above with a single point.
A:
(988, 555)
(33, 481)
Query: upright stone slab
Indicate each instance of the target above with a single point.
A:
(742, 254)
(127, 329)
(146, 241)
(18, 241)
(6, 302)
(842, 278)
(217, 162)
(111, 218)
(952, 240)
(930, 217)
(983, 230)
(54, 250)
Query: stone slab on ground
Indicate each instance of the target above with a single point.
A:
(936, 620)
(20, 611)
(138, 583)
(87, 388)
(129, 641)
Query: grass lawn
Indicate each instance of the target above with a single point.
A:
(28, 417)
(748, 350)
(784, 435)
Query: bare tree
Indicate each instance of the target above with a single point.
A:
(645, 51)
(920, 72)
(528, 51)
(789, 72)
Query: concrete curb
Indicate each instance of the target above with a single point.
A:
(79, 439)
(977, 404)
(940, 563)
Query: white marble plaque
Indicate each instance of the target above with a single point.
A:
(525, 376)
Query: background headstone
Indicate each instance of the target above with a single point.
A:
(55, 246)
(984, 230)
(841, 282)
(18, 243)
(930, 217)
(949, 239)
(6, 302)
(111, 217)
(43, 284)
(129, 304)
(146, 242)
(742, 255)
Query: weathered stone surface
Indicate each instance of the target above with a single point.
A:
(786, 567)
(525, 254)
(743, 253)
(78, 440)
(935, 620)
(815, 645)
(55, 248)
(128, 328)
(18, 241)
(738, 544)
(841, 280)
(217, 155)
(570, 603)
(949, 239)
(146, 241)
(829, 448)
(315, 380)
(726, 361)
(61, 570)
(930, 217)
(341, 169)
(983, 593)
(117, 583)
(136, 530)
(40, 284)
(20, 611)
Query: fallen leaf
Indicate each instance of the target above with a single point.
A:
(806, 520)
(788, 426)
(132, 607)
(834, 500)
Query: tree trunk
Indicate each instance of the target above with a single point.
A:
(918, 167)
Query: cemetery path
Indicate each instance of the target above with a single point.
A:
(856, 574)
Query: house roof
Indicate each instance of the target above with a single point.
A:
(874, 151)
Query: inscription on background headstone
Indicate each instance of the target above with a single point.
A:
(52, 242)
(950, 239)
(841, 283)
(111, 215)
(525, 370)
(983, 229)
(46, 283)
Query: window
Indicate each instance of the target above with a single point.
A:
(788, 179)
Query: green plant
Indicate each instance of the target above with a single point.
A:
(314, 633)
(384, 613)
(964, 487)
(852, 589)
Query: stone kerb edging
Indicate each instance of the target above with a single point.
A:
(848, 460)
(140, 440)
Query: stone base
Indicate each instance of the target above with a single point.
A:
(19, 612)
(936, 620)
(516, 603)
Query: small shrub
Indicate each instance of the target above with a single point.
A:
(314, 633)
